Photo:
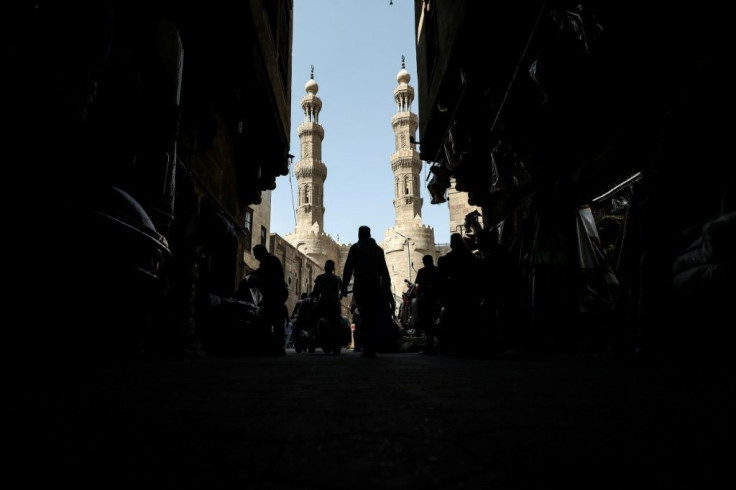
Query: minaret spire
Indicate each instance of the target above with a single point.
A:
(405, 162)
(309, 236)
(310, 170)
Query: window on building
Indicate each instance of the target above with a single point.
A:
(264, 234)
(248, 229)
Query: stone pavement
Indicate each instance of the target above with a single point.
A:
(401, 420)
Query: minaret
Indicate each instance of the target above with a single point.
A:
(405, 162)
(409, 240)
(310, 171)
(309, 237)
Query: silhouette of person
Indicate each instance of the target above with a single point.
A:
(327, 293)
(303, 323)
(459, 299)
(428, 288)
(301, 306)
(366, 265)
(269, 279)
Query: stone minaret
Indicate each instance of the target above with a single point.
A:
(309, 236)
(408, 240)
(405, 162)
(310, 171)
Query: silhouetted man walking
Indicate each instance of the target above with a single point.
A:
(269, 279)
(366, 264)
(429, 284)
(327, 293)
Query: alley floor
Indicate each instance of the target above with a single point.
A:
(399, 421)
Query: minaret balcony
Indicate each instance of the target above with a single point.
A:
(406, 159)
(405, 119)
(310, 168)
(309, 129)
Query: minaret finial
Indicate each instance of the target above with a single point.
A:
(311, 76)
(402, 62)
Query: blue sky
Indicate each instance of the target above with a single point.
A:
(356, 48)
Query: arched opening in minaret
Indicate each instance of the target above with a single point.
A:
(406, 186)
(310, 114)
(306, 194)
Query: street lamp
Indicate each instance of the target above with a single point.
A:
(408, 255)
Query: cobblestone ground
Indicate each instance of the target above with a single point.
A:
(400, 421)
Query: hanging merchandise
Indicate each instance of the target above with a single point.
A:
(503, 162)
(438, 183)
(599, 284)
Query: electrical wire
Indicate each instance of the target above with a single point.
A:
(291, 186)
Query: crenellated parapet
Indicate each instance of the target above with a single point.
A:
(419, 236)
(316, 245)
(404, 246)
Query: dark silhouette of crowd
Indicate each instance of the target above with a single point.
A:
(469, 303)
(487, 297)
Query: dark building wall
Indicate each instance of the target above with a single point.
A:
(536, 109)
(147, 129)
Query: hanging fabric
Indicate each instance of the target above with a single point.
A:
(599, 283)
